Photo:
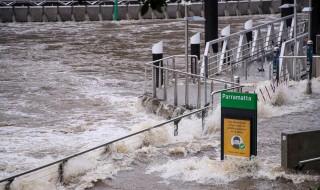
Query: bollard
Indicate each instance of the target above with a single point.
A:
(247, 26)
(195, 50)
(157, 53)
(275, 65)
(236, 79)
(309, 65)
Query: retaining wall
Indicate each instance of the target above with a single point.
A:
(299, 146)
(105, 12)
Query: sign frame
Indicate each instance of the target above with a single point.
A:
(234, 109)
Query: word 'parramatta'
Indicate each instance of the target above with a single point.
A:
(236, 97)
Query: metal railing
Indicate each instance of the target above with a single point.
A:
(172, 73)
(235, 49)
(295, 70)
(59, 164)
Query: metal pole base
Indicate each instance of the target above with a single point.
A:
(309, 88)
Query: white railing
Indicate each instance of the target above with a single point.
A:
(236, 49)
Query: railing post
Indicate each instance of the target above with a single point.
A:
(246, 68)
(236, 79)
(154, 83)
(205, 78)
(7, 187)
(145, 80)
(165, 84)
(211, 96)
(175, 132)
(175, 102)
(60, 171)
(199, 93)
(186, 91)
(203, 114)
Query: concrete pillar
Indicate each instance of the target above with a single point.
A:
(106, 12)
(160, 15)
(266, 5)
(275, 5)
(6, 14)
(231, 7)
(122, 11)
(254, 7)
(148, 15)
(243, 7)
(134, 12)
(196, 8)
(51, 13)
(221, 7)
(171, 10)
(36, 13)
(21, 13)
(211, 23)
(93, 12)
(65, 13)
(79, 12)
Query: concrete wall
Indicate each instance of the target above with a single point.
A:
(94, 12)
(172, 11)
(21, 13)
(51, 13)
(134, 12)
(79, 13)
(300, 146)
(6, 14)
(106, 12)
(196, 9)
(160, 15)
(36, 13)
(65, 13)
(122, 10)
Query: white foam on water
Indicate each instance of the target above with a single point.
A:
(286, 99)
(213, 121)
(205, 170)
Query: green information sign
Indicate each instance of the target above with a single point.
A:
(239, 100)
(238, 124)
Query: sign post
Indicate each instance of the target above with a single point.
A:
(238, 125)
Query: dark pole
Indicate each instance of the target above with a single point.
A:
(315, 22)
(211, 23)
(287, 11)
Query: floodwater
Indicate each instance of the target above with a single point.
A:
(67, 87)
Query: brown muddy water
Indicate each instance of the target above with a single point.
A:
(66, 87)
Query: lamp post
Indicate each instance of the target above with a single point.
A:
(186, 4)
(186, 19)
